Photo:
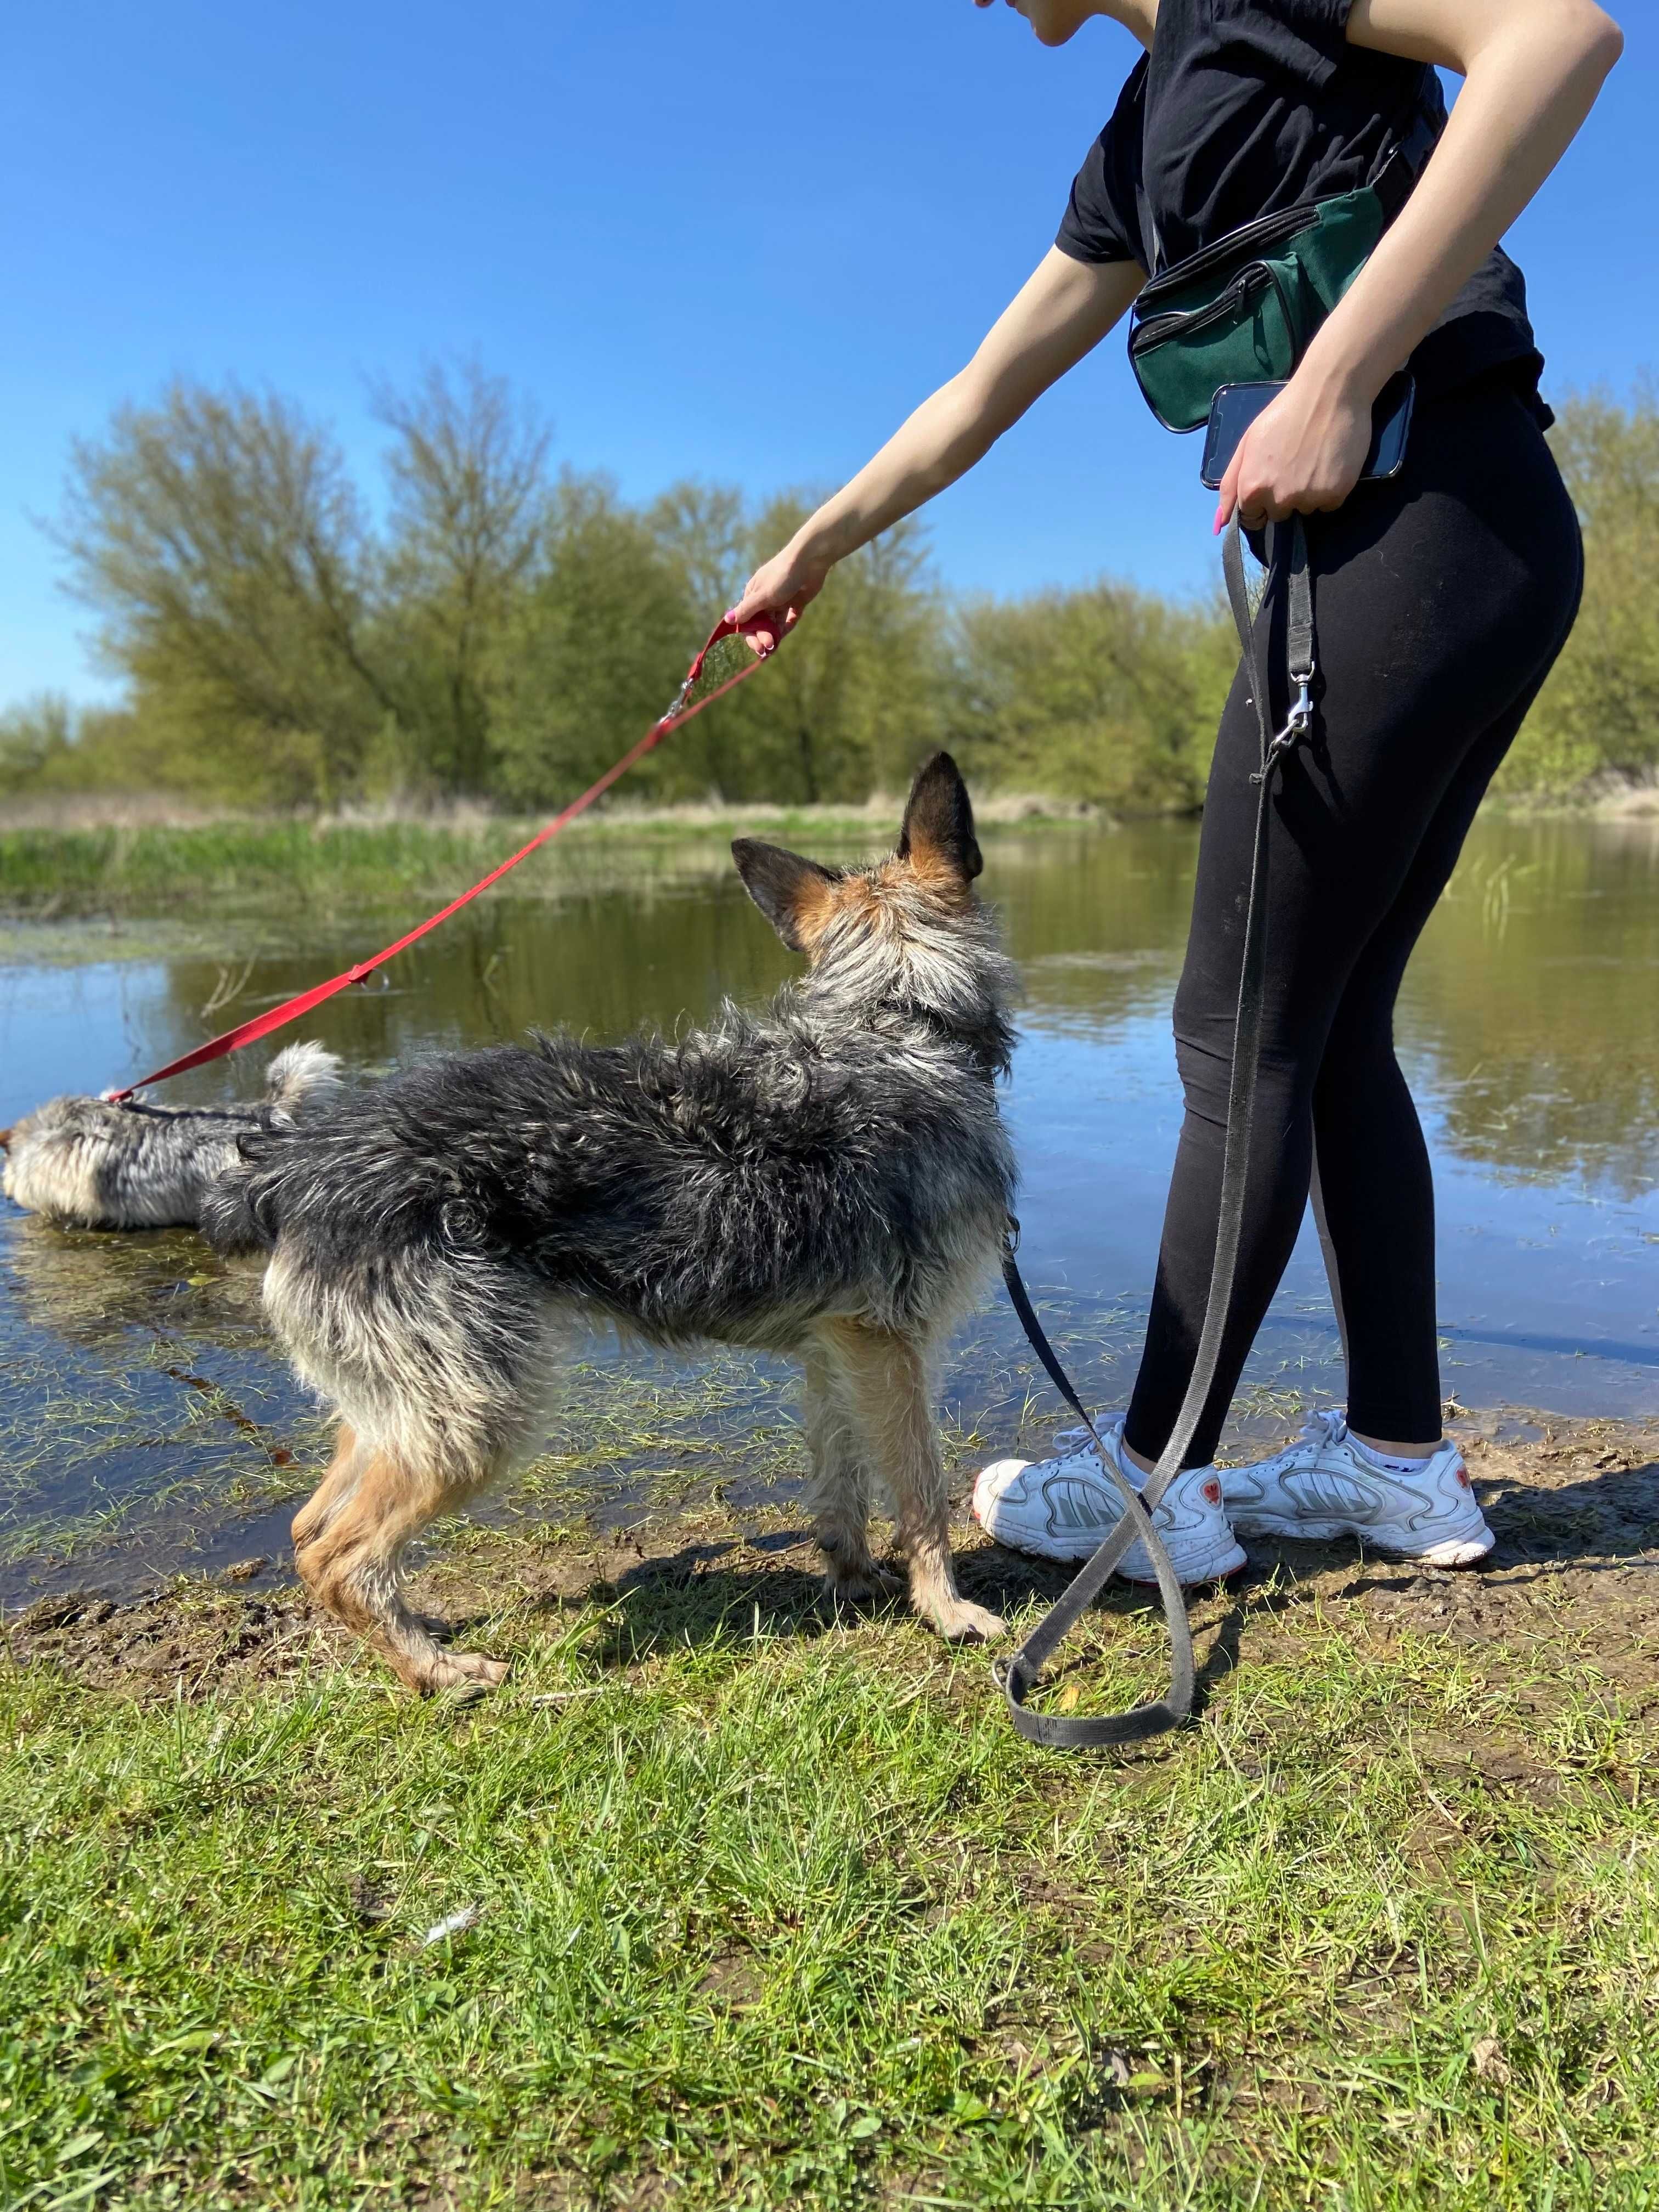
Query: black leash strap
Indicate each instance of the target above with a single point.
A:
(1018, 1676)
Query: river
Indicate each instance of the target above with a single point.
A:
(147, 1424)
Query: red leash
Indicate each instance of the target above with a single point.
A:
(276, 1017)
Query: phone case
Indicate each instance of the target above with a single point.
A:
(1229, 422)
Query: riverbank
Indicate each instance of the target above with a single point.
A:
(75, 860)
(722, 1901)
(145, 866)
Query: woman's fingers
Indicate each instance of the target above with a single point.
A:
(765, 630)
(1248, 487)
(773, 599)
(1227, 497)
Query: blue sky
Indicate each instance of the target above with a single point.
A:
(731, 243)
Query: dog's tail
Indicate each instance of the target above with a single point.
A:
(302, 1074)
(239, 1207)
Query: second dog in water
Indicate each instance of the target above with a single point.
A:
(86, 1164)
(830, 1178)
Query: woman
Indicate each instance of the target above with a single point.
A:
(1442, 598)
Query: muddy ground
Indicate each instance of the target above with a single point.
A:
(1575, 1506)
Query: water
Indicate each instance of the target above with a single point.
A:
(148, 1423)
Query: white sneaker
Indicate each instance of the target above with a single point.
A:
(1326, 1486)
(1066, 1508)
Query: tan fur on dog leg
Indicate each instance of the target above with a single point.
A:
(839, 1493)
(887, 1377)
(312, 1517)
(352, 1567)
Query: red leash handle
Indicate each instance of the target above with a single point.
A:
(276, 1017)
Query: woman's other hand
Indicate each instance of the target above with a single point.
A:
(1531, 69)
(774, 596)
(1303, 453)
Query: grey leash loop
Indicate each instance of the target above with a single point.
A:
(1018, 1676)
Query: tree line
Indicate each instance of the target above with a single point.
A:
(498, 628)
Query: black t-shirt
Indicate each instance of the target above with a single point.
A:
(1246, 107)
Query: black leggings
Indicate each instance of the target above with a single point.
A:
(1440, 600)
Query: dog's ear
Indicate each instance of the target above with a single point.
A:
(789, 890)
(937, 829)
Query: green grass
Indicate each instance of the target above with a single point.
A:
(773, 1913)
(161, 870)
(64, 872)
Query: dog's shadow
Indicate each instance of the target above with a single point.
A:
(752, 1589)
(730, 1593)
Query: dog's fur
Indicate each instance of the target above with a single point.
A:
(87, 1164)
(830, 1178)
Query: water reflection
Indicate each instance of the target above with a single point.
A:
(1530, 1016)
(1529, 1022)
(1532, 1009)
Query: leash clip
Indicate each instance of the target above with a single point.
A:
(1300, 720)
(1298, 723)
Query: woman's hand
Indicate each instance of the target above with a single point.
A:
(774, 596)
(1303, 453)
(1532, 69)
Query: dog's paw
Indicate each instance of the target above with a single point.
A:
(468, 1672)
(955, 1619)
(860, 1586)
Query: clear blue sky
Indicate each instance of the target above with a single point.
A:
(731, 243)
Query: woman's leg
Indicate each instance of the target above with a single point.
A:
(1440, 600)
(1377, 1192)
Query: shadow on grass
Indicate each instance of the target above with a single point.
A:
(729, 1593)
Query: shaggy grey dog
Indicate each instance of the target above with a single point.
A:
(830, 1178)
(87, 1164)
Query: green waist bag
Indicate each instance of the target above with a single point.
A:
(1243, 309)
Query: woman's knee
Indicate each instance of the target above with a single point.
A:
(1206, 1076)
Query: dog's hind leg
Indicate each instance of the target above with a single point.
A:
(350, 1560)
(314, 1515)
(437, 1367)
(840, 1489)
(326, 1499)
(886, 1376)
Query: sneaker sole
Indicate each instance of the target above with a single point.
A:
(1446, 1552)
(1216, 1567)
(1231, 1561)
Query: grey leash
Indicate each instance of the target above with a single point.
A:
(1018, 1676)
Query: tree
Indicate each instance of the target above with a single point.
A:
(223, 547)
(1106, 694)
(854, 700)
(592, 651)
(468, 479)
(1600, 708)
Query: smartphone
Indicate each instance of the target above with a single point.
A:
(1236, 406)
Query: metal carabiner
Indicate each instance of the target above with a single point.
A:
(1299, 720)
(1298, 723)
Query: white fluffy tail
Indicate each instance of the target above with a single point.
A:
(300, 1075)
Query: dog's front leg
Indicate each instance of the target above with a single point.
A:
(839, 1493)
(885, 1375)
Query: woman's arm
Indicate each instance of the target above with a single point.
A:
(1064, 309)
(1532, 69)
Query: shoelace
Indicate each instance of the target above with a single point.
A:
(1326, 1427)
